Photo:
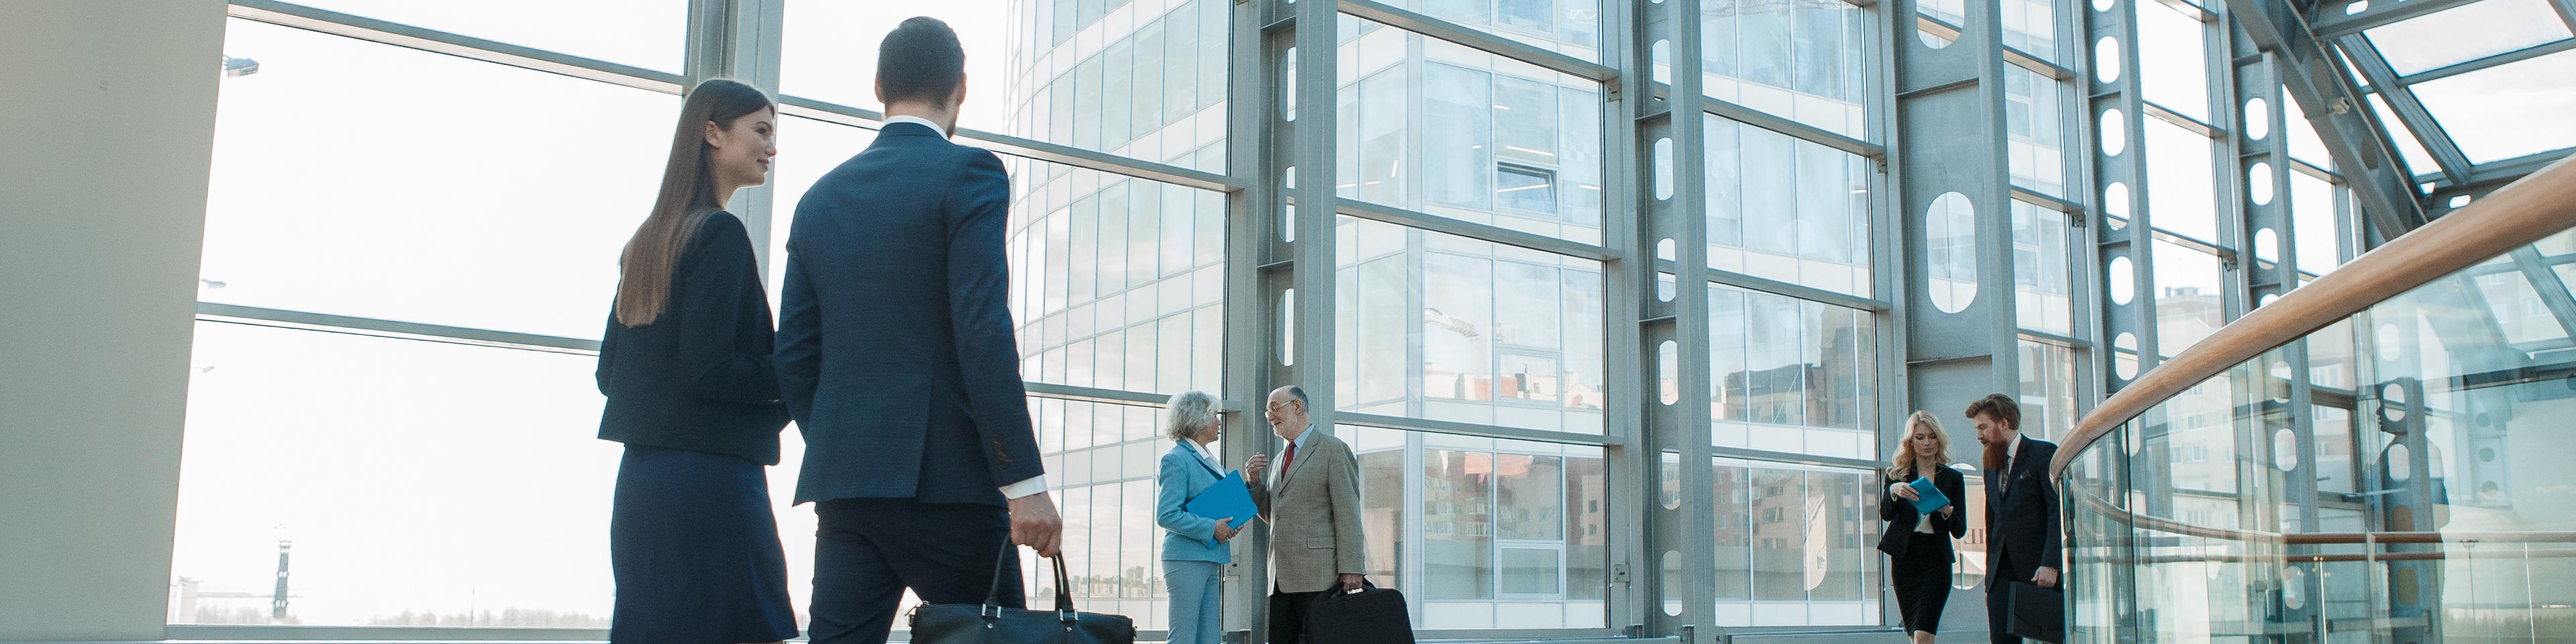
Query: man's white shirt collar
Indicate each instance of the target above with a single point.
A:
(934, 127)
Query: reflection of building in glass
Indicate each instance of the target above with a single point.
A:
(1486, 533)
(1791, 375)
(1792, 544)
(1116, 281)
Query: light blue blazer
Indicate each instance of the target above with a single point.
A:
(1187, 537)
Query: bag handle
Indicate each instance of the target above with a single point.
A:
(993, 595)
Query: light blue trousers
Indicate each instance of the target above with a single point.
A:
(1193, 587)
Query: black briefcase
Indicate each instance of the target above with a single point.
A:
(1372, 615)
(990, 623)
(2035, 613)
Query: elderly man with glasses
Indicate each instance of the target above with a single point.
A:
(1313, 506)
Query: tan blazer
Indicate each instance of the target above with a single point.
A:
(1314, 517)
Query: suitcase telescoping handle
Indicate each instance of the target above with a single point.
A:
(993, 596)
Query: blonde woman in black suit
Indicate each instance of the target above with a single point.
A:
(1918, 544)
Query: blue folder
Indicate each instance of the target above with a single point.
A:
(1227, 498)
(1928, 497)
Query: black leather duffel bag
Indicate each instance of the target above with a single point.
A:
(990, 623)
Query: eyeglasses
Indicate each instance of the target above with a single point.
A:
(1275, 406)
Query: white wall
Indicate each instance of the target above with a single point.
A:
(107, 115)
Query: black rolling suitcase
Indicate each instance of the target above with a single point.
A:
(1371, 616)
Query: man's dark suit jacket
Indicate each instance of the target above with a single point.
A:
(895, 349)
(2021, 518)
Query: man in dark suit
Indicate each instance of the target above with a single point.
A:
(2022, 536)
(896, 357)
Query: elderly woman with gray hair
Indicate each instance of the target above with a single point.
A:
(1194, 549)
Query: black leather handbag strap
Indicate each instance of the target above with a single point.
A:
(993, 595)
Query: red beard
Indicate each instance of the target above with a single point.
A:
(1994, 457)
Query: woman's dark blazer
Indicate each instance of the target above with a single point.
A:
(1901, 517)
(699, 377)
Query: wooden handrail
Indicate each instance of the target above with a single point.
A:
(2537, 206)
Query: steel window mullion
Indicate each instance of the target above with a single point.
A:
(1631, 464)
(1477, 430)
(1026, 148)
(1692, 331)
(1795, 458)
(2518, 55)
(430, 40)
(2181, 120)
(1785, 289)
(2045, 337)
(2035, 64)
(1112, 396)
(2330, 21)
(285, 319)
(1484, 232)
(1801, 131)
(739, 39)
(2035, 198)
(1444, 30)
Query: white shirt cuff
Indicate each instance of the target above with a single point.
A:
(1031, 485)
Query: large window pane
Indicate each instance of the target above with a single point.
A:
(828, 52)
(1799, 537)
(1791, 375)
(1508, 534)
(651, 34)
(2334, 437)
(2504, 112)
(1104, 481)
(2304, 144)
(2173, 70)
(2472, 31)
(360, 179)
(1785, 209)
(1570, 27)
(1143, 80)
(2409, 142)
(1459, 133)
(1807, 61)
(2043, 271)
(396, 504)
(2035, 117)
(1449, 328)
(2031, 26)
(2189, 302)
(2047, 389)
(2182, 195)
(2315, 225)
(2516, 307)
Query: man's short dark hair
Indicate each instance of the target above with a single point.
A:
(920, 61)
(1298, 394)
(1997, 407)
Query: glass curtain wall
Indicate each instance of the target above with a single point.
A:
(1473, 370)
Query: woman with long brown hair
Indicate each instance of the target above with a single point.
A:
(694, 396)
(1917, 542)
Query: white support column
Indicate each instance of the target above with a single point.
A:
(111, 140)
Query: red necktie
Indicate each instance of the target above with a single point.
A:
(1291, 459)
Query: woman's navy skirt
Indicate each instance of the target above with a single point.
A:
(695, 550)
